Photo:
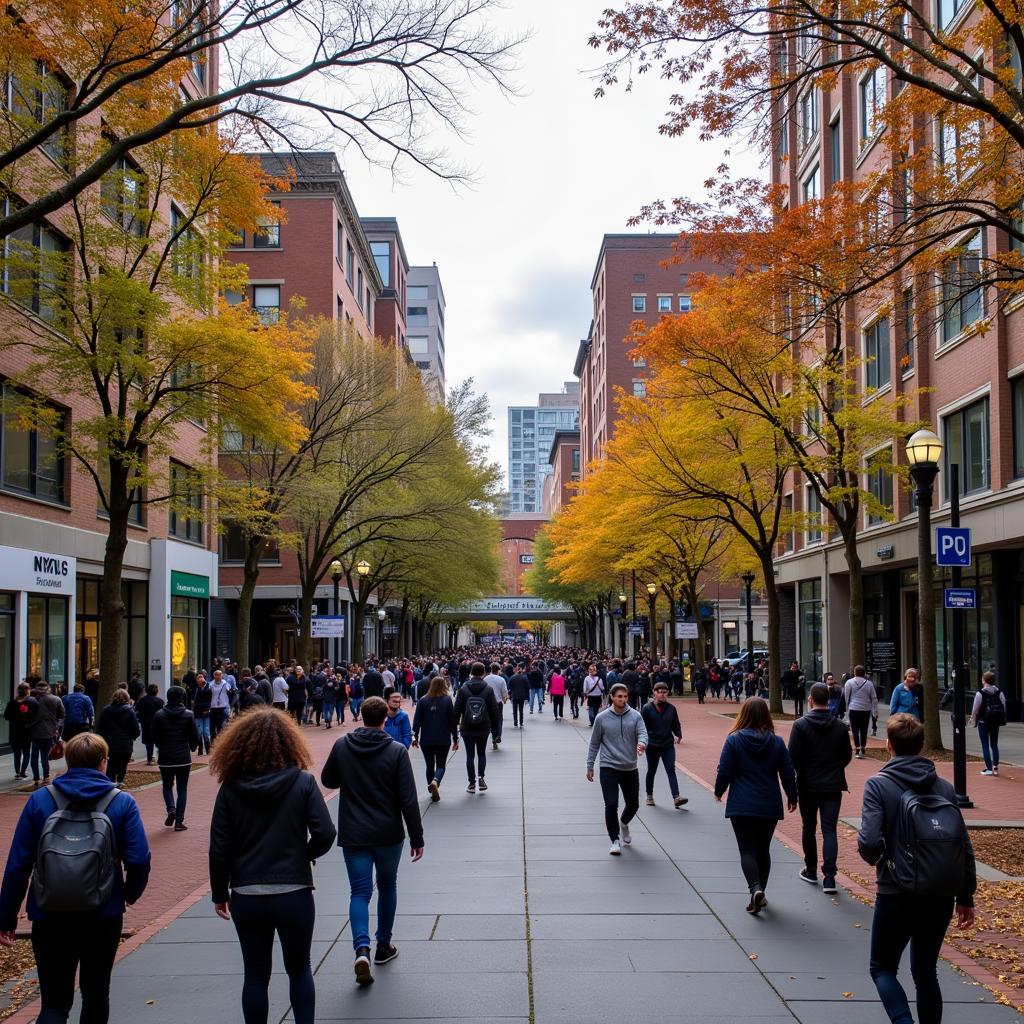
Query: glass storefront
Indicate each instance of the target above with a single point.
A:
(188, 635)
(87, 627)
(809, 623)
(7, 642)
(47, 638)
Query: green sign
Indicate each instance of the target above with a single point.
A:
(187, 584)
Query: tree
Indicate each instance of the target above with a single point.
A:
(384, 77)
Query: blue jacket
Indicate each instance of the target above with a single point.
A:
(905, 700)
(78, 709)
(750, 768)
(399, 728)
(85, 785)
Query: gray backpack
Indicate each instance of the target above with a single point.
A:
(76, 859)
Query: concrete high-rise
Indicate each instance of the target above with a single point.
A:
(425, 322)
(531, 430)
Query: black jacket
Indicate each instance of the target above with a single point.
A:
(477, 688)
(378, 790)
(119, 726)
(268, 830)
(433, 725)
(519, 687)
(175, 736)
(662, 724)
(373, 683)
(819, 746)
(21, 713)
(201, 701)
(632, 680)
(146, 708)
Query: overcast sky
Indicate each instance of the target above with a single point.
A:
(556, 169)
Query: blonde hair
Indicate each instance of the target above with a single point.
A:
(86, 750)
(120, 697)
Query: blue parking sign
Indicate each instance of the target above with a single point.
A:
(953, 546)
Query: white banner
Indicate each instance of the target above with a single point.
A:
(327, 626)
(686, 631)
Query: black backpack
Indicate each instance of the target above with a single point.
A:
(992, 710)
(474, 716)
(929, 853)
(76, 859)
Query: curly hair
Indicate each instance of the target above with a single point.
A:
(257, 742)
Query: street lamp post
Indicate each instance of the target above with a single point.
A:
(623, 601)
(358, 629)
(633, 621)
(382, 617)
(748, 582)
(335, 577)
(652, 597)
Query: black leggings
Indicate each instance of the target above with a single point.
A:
(435, 758)
(612, 780)
(859, 721)
(558, 705)
(518, 707)
(257, 918)
(754, 839)
(117, 766)
(476, 746)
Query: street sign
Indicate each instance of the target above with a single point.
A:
(953, 546)
(636, 629)
(960, 597)
(327, 626)
(686, 630)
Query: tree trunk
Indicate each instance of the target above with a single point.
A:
(250, 574)
(111, 603)
(400, 645)
(774, 629)
(858, 648)
(693, 599)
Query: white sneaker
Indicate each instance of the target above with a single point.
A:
(624, 833)
(615, 849)
(985, 771)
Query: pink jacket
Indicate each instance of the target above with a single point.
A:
(557, 687)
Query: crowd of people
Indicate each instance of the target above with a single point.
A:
(270, 822)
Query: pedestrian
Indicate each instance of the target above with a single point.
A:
(119, 726)
(330, 700)
(536, 678)
(519, 693)
(76, 913)
(249, 696)
(21, 712)
(79, 712)
(298, 693)
(794, 685)
(356, 694)
(270, 823)
(435, 731)
(619, 735)
(700, 683)
(201, 699)
(373, 682)
(906, 698)
(819, 747)
(317, 685)
(912, 830)
(663, 733)
(476, 711)
(861, 704)
(496, 681)
(146, 708)
(279, 691)
(574, 688)
(753, 762)
(175, 736)
(836, 700)
(988, 713)
(397, 725)
(44, 730)
(593, 691)
(378, 793)
(221, 689)
(556, 689)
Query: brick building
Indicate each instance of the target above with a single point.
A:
(392, 263)
(564, 460)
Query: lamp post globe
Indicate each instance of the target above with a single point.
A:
(363, 567)
(924, 449)
(335, 569)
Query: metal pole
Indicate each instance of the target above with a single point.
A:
(957, 657)
(336, 611)
(748, 583)
(654, 629)
(636, 638)
(924, 477)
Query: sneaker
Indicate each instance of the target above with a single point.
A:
(482, 783)
(757, 902)
(828, 886)
(808, 877)
(650, 800)
(385, 953)
(182, 827)
(494, 745)
(471, 788)
(995, 771)
(681, 801)
(169, 820)
(615, 849)
(362, 966)
(435, 791)
(624, 833)
(985, 771)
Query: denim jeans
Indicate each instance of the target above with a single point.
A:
(920, 921)
(593, 708)
(360, 862)
(175, 779)
(825, 805)
(356, 703)
(203, 728)
(41, 752)
(989, 736)
(536, 692)
(667, 757)
(435, 758)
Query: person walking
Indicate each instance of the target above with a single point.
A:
(988, 713)
(752, 764)
(79, 712)
(663, 733)
(819, 747)
(279, 691)
(373, 682)
(119, 726)
(76, 926)
(861, 705)
(619, 736)
(496, 681)
(536, 678)
(201, 709)
(593, 691)
(574, 688)
(906, 698)
(298, 691)
(175, 736)
(270, 824)
(221, 690)
(476, 711)
(146, 708)
(519, 693)
(794, 685)
(435, 731)
(21, 712)
(907, 789)
(44, 729)
(378, 794)
(836, 700)
(330, 700)
(397, 724)
(356, 695)
(556, 689)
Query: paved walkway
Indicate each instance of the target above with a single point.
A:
(517, 913)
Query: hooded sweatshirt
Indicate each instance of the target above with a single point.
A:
(882, 794)
(175, 736)
(82, 786)
(266, 831)
(819, 746)
(119, 726)
(378, 790)
(617, 737)
(750, 768)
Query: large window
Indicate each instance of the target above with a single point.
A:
(907, 347)
(962, 298)
(381, 252)
(967, 446)
(188, 635)
(185, 519)
(947, 10)
(1017, 391)
(809, 615)
(88, 633)
(233, 543)
(268, 232)
(40, 97)
(664, 303)
(48, 638)
(31, 460)
(872, 100)
(123, 196)
(639, 303)
(877, 363)
(266, 301)
(811, 188)
(880, 485)
(35, 270)
(812, 507)
(807, 117)
(835, 134)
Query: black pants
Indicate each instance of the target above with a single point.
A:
(218, 719)
(176, 779)
(920, 921)
(518, 707)
(612, 780)
(318, 708)
(291, 915)
(476, 747)
(574, 704)
(435, 758)
(859, 721)
(754, 839)
(667, 757)
(501, 721)
(64, 943)
(635, 701)
(558, 705)
(701, 691)
(117, 766)
(798, 704)
(21, 748)
(73, 729)
(41, 752)
(826, 807)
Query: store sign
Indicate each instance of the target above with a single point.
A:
(686, 630)
(327, 626)
(37, 571)
(188, 584)
(526, 559)
(881, 655)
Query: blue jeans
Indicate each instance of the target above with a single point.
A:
(538, 693)
(203, 728)
(989, 736)
(667, 757)
(360, 862)
(355, 703)
(41, 752)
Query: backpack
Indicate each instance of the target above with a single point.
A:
(992, 710)
(76, 859)
(474, 716)
(929, 852)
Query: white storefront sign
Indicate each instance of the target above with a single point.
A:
(38, 572)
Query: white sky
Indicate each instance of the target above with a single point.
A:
(555, 169)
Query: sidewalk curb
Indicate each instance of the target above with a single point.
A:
(962, 962)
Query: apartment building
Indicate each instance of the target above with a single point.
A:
(392, 264)
(531, 429)
(564, 464)
(425, 319)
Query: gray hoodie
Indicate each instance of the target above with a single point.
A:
(617, 737)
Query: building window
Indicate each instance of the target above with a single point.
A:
(664, 303)
(188, 634)
(639, 388)
(639, 303)
(88, 635)
(639, 278)
(233, 543)
(812, 186)
(31, 460)
(783, 130)
(685, 303)
(812, 506)
(877, 368)
(907, 355)
(967, 446)
(809, 614)
(638, 360)
(418, 344)
(382, 257)
(35, 268)
(807, 117)
(879, 486)
(185, 518)
(957, 140)
(835, 136)
(962, 299)
(948, 10)
(350, 265)
(40, 97)
(872, 101)
(266, 301)
(789, 537)
(187, 251)
(359, 288)
(339, 242)
(268, 232)
(123, 196)
(48, 638)
(1017, 391)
